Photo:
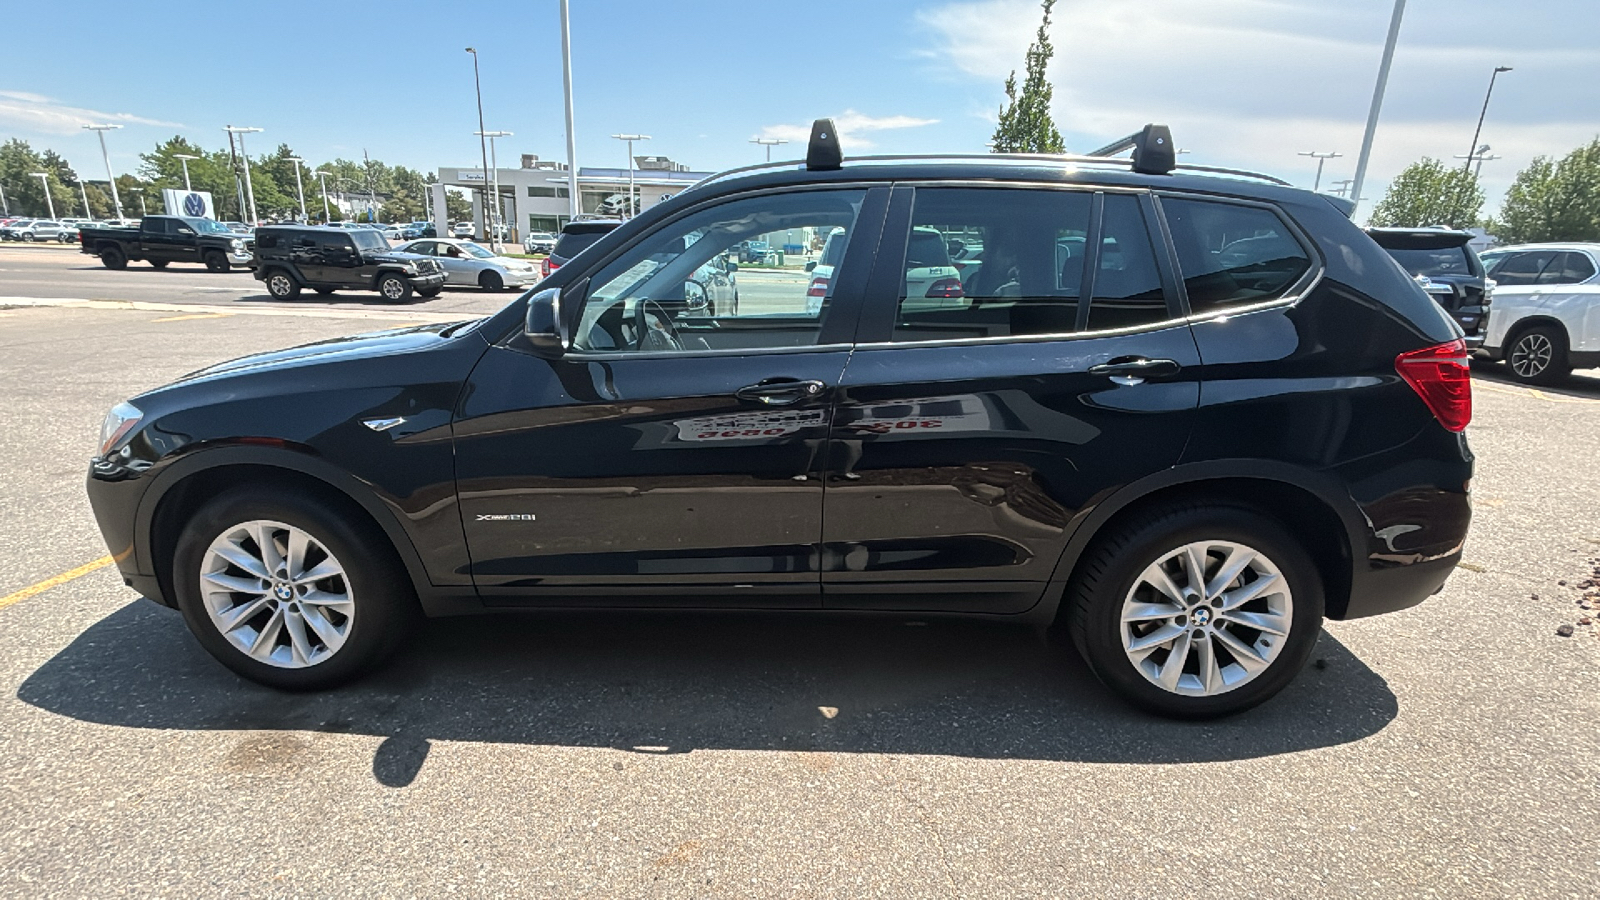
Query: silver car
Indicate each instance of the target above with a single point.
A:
(468, 264)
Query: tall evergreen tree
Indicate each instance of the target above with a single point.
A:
(1025, 124)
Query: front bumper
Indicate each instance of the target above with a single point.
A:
(240, 257)
(115, 492)
(522, 279)
(423, 282)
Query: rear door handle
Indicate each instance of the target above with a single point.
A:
(1132, 370)
(779, 391)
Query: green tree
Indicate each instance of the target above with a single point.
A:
(457, 207)
(1025, 125)
(1430, 193)
(1554, 200)
(25, 193)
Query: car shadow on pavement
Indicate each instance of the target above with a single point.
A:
(676, 683)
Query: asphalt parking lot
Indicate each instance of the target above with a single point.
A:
(1448, 750)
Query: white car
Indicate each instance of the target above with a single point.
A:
(539, 242)
(462, 230)
(469, 265)
(1545, 317)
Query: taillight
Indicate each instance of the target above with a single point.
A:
(946, 287)
(818, 288)
(1442, 377)
(548, 266)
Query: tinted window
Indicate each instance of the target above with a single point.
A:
(1021, 266)
(335, 242)
(425, 248)
(1567, 268)
(267, 241)
(368, 239)
(1127, 284)
(570, 245)
(1522, 268)
(673, 290)
(1232, 255)
(1436, 261)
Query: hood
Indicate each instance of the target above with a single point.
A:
(358, 346)
(399, 256)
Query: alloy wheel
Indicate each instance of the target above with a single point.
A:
(279, 285)
(393, 289)
(277, 594)
(1532, 355)
(1206, 618)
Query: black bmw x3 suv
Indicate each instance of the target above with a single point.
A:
(1181, 416)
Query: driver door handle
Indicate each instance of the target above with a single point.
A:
(1134, 370)
(779, 392)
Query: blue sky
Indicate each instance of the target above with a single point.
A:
(1241, 82)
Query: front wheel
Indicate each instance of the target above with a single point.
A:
(27, 236)
(288, 591)
(490, 280)
(430, 292)
(216, 262)
(1539, 356)
(394, 288)
(281, 286)
(1196, 612)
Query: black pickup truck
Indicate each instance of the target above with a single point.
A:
(160, 240)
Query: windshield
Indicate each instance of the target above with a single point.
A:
(479, 252)
(207, 226)
(1435, 261)
(367, 239)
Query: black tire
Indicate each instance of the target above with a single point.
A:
(430, 292)
(324, 291)
(282, 285)
(27, 237)
(1538, 355)
(216, 262)
(384, 600)
(112, 258)
(490, 280)
(159, 263)
(394, 287)
(1109, 570)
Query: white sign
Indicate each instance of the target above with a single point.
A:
(194, 204)
(469, 176)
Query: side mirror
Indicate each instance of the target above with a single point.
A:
(811, 265)
(733, 266)
(544, 329)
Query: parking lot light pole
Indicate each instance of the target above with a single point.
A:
(483, 142)
(299, 189)
(633, 202)
(184, 158)
(494, 163)
(322, 176)
(44, 178)
(143, 210)
(255, 219)
(1320, 158)
(769, 143)
(1377, 101)
(1472, 150)
(111, 176)
(572, 139)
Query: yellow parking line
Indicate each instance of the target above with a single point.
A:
(194, 316)
(49, 583)
(1529, 392)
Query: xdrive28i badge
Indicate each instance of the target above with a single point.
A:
(507, 517)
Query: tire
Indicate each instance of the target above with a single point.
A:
(27, 236)
(361, 613)
(112, 258)
(282, 285)
(394, 288)
(1113, 579)
(1538, 355)
(159, 263)
(430, 292)
(324, 291)
(490, 280)
(216, 262)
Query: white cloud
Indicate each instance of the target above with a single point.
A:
(851, 125)
(21, 111)
(1253, 82)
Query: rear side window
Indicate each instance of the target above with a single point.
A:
(1232, 255)
(267, 240)
(1567, 268)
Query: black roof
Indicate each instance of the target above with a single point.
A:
(1419, 238)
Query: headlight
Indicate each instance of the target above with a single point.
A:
(120, 421)
(238, 244)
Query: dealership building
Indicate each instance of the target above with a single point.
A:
(535, 196)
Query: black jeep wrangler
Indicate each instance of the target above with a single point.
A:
(291, 257)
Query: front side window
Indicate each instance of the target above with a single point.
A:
(1232, 255)
(680, 288)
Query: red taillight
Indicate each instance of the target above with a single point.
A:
(818, 288)
(1442, 377)
(549, 266)
(946, 287)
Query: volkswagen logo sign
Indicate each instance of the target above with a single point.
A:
(194, 205)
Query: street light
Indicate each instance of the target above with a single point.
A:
(143, 210)
(630, 138)
(1467, 166)
(299, 189)
(248, 188)
(184, 158)
(44, 178)
(483, 146)
(1320, 158)
(572, 139)
(1482, 155)
(110, 176)
(494, 163)
(322, 176)
(769, 143)
(1377, 100)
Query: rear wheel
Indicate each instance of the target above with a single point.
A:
(1196, 611)
(216, 262)
(112, 258)
(394, 288)
(287, 591)
(159, 263)
(1539, 355)
(282, 286)
(27, 236)
(324, 291)
(490, 280)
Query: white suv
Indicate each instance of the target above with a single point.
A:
(1545, 320)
